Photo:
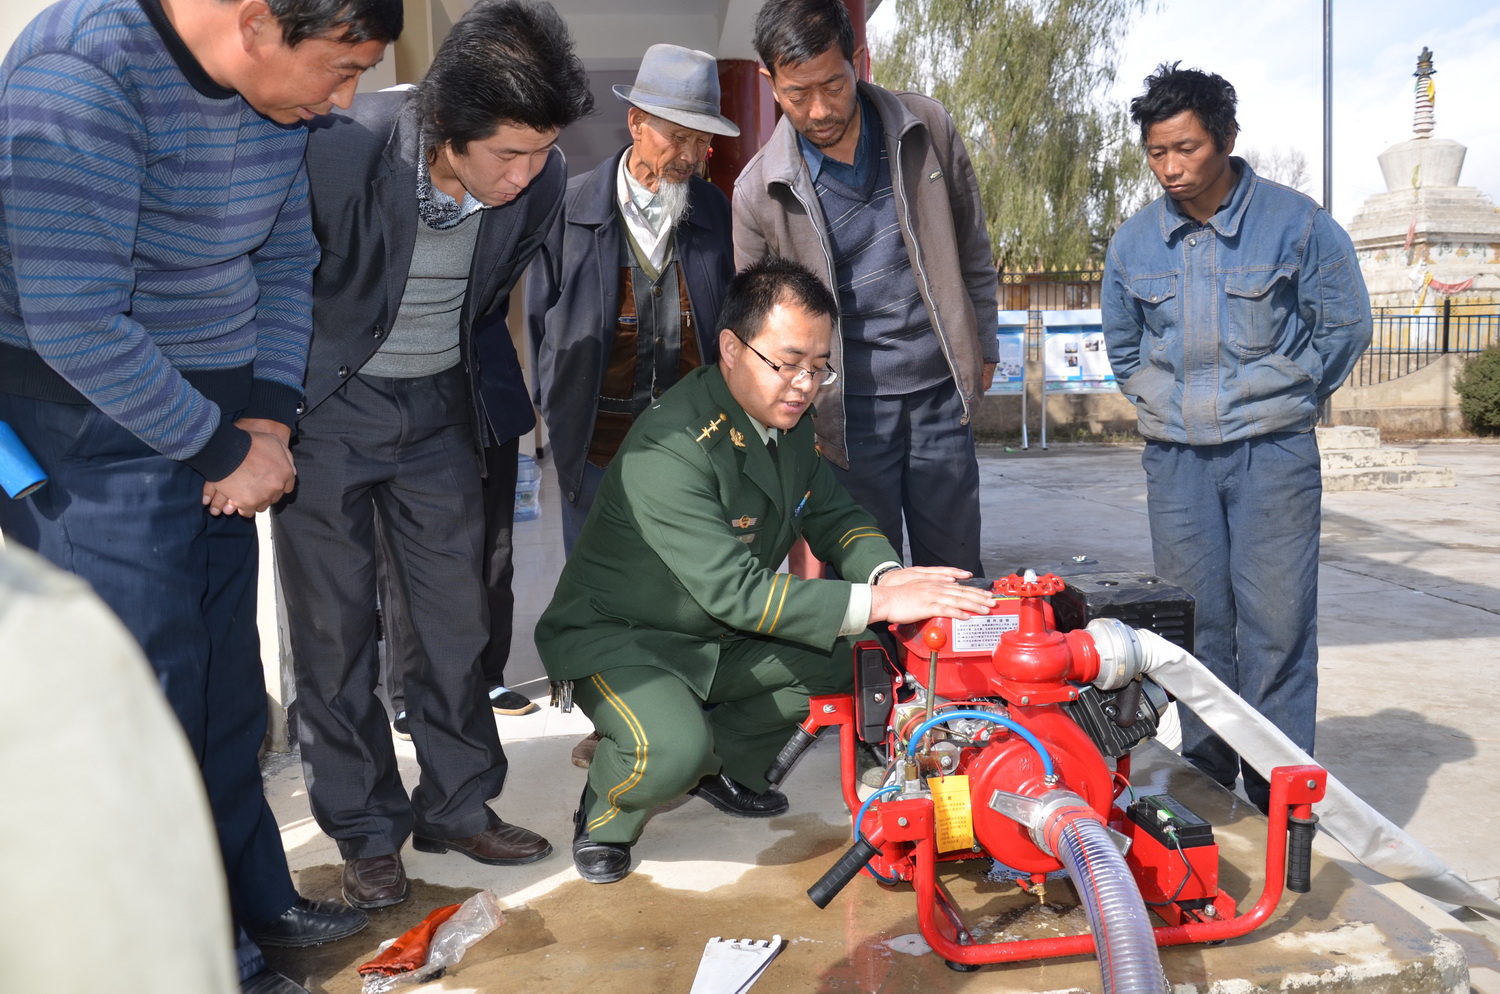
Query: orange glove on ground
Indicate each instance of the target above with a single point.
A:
(409, 951)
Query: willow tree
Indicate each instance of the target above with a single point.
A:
(1059, 165)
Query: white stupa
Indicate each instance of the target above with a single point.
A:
(1427, 237)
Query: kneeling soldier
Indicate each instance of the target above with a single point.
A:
(670, 600)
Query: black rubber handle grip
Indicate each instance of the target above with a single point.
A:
(845, 870)
(1300, 832)
(795, 746)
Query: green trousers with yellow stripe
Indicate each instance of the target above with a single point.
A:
(657, 740)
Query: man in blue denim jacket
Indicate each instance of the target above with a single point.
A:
(1232, 307)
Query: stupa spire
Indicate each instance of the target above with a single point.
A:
(1426, 94)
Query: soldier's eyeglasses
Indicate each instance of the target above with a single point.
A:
(791, 372)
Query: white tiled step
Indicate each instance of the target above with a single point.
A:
(1382, 458)
(1398, 478)
(1348, 437)
(1354, 459)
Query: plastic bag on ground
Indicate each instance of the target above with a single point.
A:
(475, 918)
(409, 950)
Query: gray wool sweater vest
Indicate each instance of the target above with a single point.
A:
(423, 339)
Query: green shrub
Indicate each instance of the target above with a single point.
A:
(1478, 386)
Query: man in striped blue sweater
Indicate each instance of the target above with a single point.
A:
(155, 273)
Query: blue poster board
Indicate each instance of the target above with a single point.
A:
(1010, 374)
(1074, 358)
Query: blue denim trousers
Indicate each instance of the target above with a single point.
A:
(132, 523)
(1237, 526)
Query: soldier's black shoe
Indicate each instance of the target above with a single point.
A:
(597, 862)
(737, 799)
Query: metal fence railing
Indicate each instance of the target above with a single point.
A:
(1048, 290)
(1404, 342)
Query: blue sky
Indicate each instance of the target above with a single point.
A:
(1274, 60)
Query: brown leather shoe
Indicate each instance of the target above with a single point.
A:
(498, 845)
(375, 881)
(583, 752)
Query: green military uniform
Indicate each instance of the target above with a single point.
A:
(671, 600)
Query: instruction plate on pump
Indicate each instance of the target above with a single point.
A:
(982, 634)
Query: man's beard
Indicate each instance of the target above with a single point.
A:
(840, 123)
(674, 201)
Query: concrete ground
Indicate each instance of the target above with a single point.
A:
(1410, 640)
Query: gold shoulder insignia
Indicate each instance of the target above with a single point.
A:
(712, 426)
(737, 437)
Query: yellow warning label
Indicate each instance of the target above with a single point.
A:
(952, 813)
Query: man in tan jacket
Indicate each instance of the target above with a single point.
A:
(874, 192)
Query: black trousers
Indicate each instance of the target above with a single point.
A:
(499, 491)
(402, 448)
(912, 463)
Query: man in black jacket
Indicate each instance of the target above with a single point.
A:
(623, 298)
(428, 204)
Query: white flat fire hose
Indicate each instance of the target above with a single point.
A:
(1371, 837)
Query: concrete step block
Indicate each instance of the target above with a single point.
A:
(1381, 458)
(1399, 478)
(1348, 437)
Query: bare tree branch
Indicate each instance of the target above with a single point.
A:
(1287, 166)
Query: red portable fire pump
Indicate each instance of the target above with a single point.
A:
(1017, 755)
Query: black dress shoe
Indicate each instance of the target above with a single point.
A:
(271, 982)
(310, 923)
(375, 881)
(597, 862)
(737, 799)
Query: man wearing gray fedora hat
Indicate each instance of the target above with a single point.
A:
(622, 298)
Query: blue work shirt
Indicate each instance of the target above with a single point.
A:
(854, 174)
(1238, 327)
